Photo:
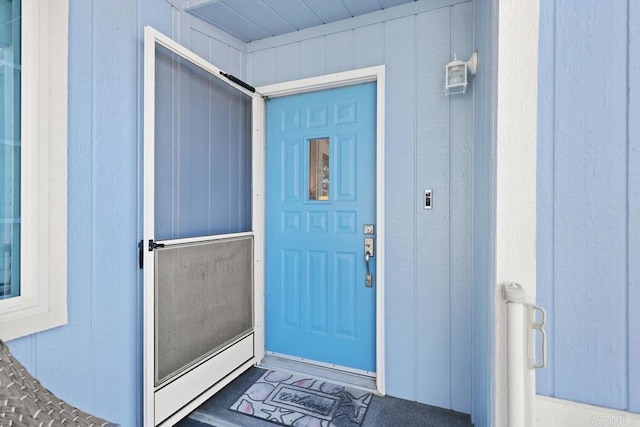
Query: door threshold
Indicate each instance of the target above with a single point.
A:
(337, 376)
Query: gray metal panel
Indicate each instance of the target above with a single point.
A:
(204, 300)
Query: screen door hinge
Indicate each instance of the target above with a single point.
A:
(141, 254)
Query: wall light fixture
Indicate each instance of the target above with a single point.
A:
(456, 74)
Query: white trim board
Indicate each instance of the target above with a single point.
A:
(363, 75)
(552, 412)
(258, 177)
(515, 163)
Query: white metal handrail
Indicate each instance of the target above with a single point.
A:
(521, 328)
(537, 326)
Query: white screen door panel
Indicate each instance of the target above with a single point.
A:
(198, 248)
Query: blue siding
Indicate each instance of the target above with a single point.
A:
(94, 362)
(432, 271)
(402, 363)
(485, 35)
(460, 220)
(633, 162)
(588, 198)
(428, 145)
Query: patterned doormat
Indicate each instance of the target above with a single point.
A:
(299, 401)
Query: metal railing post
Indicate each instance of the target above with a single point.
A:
(521, 354)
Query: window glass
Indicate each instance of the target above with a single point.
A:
(319, 169)
(9, 148)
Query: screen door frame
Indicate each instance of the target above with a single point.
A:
(168, 403)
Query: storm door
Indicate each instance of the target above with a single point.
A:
(198, 247)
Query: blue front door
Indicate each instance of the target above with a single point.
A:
(321, 192)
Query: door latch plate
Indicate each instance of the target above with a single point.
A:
(368, 280)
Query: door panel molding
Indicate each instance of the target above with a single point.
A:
(370, 74)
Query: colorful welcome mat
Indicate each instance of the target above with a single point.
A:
(303, 402)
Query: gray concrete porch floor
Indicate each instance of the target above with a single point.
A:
(383, 411)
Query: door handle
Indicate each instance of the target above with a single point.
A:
(368, 253)
(366, 260)
(368, 246)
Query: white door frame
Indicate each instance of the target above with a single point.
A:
(371, 74)
(217, 371)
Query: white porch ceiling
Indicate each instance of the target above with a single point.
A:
(251, 20)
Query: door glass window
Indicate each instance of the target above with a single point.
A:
(319, 169)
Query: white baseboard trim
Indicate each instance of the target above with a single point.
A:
(552, 412)
(210, 419)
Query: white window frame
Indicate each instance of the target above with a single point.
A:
(42, 303)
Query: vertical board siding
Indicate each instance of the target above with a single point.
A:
(545, 184)
(312, 57)
(401, 329)
(287, 54)
(339, 52)
(588, 188)
(94, 362)
(633, 162)
(461, 183)
(368, 45)
(433, 244)
(485, 35)
(114, 211)
(263, 67)
(428, 145)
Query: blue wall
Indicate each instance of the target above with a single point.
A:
(589, 200)
(94, 362)
(428, 146)
(484, 198)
